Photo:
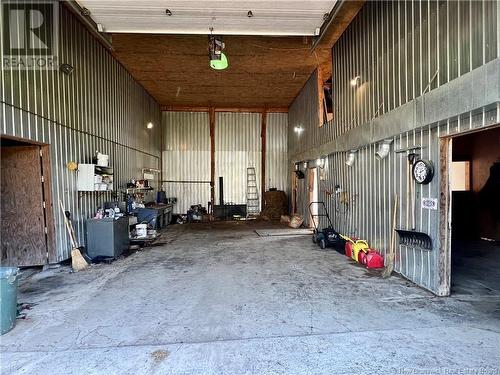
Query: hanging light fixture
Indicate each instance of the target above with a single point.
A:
(298, 129)
(220, 64)
(320, 162)
(383, 149)
(218, 59)
(351, 158)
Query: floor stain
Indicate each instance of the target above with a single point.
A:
(160, 355)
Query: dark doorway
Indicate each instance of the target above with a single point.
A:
(25, 203)
(475, 186)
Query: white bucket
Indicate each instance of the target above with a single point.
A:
(141, 230)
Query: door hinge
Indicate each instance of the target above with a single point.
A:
(46, 230)
(43, 180)
(44, 205)
(41, 154)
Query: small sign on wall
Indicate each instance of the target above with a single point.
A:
(430, 203)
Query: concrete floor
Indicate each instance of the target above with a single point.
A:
(218, 299)
(475, 267)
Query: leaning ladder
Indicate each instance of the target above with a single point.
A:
(252, 194)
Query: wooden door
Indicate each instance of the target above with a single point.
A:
(23, 241)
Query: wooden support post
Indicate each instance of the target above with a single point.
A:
(212, 159)
(263, 136)
(321, 97)
(444, 251)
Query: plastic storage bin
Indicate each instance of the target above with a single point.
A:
(8, 298)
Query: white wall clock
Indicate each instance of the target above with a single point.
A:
(423, 171)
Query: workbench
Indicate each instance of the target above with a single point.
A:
(158, 216)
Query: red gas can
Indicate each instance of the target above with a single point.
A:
(362, 257)
(373, 259)
(348, 246)
(348, 249)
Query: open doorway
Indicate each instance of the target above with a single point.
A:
(313, 193)
(25, 204)
(475, 213)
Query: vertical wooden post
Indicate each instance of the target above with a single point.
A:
(212, 159)
(263, 136)
(444, 255)
(321, 97)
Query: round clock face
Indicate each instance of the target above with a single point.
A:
(423, 171)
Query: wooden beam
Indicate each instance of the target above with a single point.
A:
(49, 212)
(224, 109)
(444, 251)
(185, 109)
(212, 159)
(321, 97)
(263, 137)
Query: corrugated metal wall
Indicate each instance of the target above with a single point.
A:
(99, 107)
(277, 151)
(237, 147)
(186, 155)
(396, 49)
(304, 113)
(368, 188)
(401, 49)
(186, 158)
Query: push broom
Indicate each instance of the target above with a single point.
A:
(77, 261)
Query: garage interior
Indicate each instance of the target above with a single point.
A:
(475, 205)
(250, 187)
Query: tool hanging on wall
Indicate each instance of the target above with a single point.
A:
(412, 238)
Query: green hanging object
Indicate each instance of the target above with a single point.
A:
(219, 64)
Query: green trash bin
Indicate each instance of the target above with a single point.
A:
(8, 298)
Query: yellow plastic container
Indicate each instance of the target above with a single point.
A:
(355, 247)
(359, 245)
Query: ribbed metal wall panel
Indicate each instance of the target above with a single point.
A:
(98, 107)
(399, 49)
(186, 158)
(396, 48)
(186, 154)
(363, 209)
(276, 151)
(237, 147)
(402, 49)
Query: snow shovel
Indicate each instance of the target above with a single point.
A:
(412, 238)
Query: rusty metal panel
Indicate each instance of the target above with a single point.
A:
(99, 107)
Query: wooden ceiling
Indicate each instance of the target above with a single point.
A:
(263, 72)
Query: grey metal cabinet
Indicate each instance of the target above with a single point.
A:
(107, 237)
